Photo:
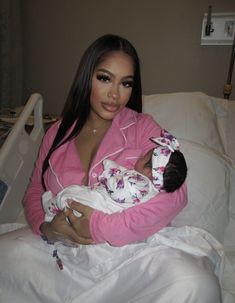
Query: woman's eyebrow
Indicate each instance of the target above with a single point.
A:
(112, 75)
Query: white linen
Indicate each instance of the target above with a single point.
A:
(200, 124)
(192, 116)
(7, 227)
(209, 180)
(152, 271)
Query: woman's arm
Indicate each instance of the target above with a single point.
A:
(131, 225)
(58, 228)
(138, 222)
(32, 199)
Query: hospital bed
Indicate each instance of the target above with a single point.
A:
(204, 126)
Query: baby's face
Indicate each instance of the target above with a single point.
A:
(144, 164)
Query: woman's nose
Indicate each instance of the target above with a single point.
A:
(114, 93)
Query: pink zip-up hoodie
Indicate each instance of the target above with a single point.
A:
(126, 140)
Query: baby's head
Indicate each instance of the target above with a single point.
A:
(164, 165)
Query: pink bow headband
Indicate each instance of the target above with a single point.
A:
(161, 155)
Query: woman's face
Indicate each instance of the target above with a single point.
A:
(112, 83)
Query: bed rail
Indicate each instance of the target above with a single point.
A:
(17, 157)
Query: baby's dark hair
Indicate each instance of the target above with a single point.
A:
(175, 172)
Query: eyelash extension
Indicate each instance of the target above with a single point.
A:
(103, 78)
(128, 83)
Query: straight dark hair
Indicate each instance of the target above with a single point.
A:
(77, 106)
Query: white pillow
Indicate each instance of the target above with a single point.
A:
(193, 116)
(208, 183)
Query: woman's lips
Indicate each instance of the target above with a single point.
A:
(110, 107)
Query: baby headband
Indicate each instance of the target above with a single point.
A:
(167, 144)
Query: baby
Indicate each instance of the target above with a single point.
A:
(161, 169)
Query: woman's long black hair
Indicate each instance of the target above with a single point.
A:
(77, 106)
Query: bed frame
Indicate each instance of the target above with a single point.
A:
(17, 157)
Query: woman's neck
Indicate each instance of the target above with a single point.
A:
(97, 126)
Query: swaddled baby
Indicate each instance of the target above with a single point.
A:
(162, 168)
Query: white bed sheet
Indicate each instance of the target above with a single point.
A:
(92, 273)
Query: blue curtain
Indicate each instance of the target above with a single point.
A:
(11, 59)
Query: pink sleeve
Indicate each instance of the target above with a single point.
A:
(138, 222)
(32, 200)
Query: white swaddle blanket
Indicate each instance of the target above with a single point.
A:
(118, 188)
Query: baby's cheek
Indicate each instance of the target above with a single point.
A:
(148, 172)
(139, 165)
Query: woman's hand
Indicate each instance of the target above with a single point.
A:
(80, 224)
(60, 230)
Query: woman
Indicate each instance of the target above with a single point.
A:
(102, 119)
(107, 84)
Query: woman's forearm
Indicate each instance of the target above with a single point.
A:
(33, 209)
(32, 200)
(138, 222)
